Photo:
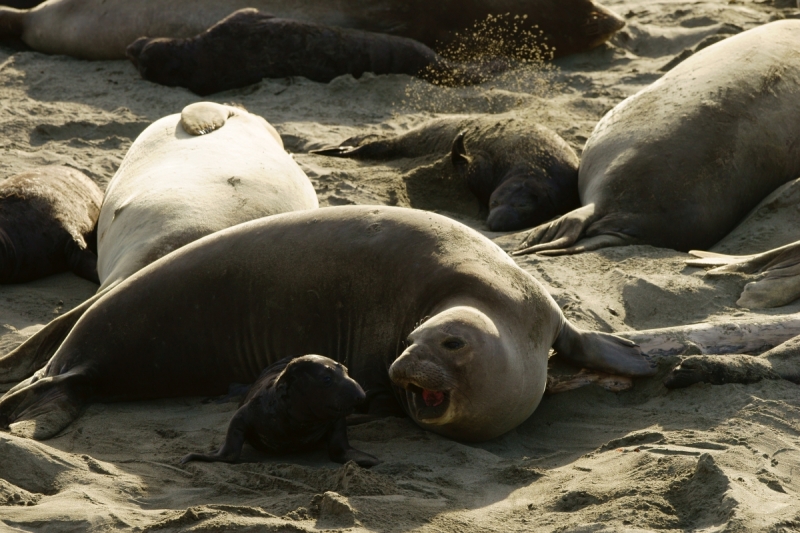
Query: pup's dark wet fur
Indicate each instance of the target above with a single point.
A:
(295, 405)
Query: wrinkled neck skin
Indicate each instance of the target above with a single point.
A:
(490, 387)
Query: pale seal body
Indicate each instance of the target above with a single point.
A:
(47, 222)
(463, 331)
(680, 163)
(174, 187)
(102, 29)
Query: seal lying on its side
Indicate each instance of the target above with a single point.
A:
(295, 404)
(680, 163)
(47, 223)
(524, 173)
(185, 176)
(241, 50)
(102, 29)
(461, 330)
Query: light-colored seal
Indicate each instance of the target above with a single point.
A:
(680, 163)
(102, 29)
(416, 305)
(47, 222)
(187, 175)
(522, 173)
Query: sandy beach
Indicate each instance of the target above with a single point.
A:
(710, 458)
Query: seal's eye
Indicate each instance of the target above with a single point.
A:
(453, 344)
(327, 380)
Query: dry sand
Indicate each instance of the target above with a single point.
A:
(703, 458)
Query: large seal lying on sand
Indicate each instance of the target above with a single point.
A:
(47, 223)
(102, 29)
(680, 163)
(461, 330)
(185, 176)
(295, 404)
(522, 173)
(248, 46)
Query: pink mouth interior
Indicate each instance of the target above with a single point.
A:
(432, 398)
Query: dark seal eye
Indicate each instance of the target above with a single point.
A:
(327, 380)
(453, 344)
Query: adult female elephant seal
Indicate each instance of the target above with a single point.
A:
(187, 175)
(47, 223)
(522, 173)
(680, 163)
(460, 329)
(102, 29)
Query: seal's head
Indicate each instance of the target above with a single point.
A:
(464, 377)
(160, 60)
(319, 388)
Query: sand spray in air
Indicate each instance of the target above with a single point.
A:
(505, 59)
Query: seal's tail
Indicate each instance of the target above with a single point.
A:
(40, 407)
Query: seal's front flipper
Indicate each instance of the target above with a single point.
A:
(560, 234)
(340, 451)
(204, 117)
(337, 151)
(230, 451)
(588, 245)
(602, 351)
(40, 408)
(363, 147)
(610, 382)
(35, 352)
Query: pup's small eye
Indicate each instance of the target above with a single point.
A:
(453, 344)
(327, 380)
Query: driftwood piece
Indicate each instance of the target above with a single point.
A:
(746, 336)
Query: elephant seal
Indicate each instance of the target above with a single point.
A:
(241, 50)
(295, 404)
(523, 174)
(47, 224)
(187, 175)
(415, 304)
(680, 163)
(103, 29)
(781, 362)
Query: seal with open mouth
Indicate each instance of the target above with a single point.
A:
(421, 309)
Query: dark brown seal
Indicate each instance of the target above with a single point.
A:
(419, 307)
(47, 222)
(680, 163)
(248, 46)
(523, 174)
(296, 404)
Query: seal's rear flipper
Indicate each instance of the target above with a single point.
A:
(720, 262)
(602, 351)
(204, 117)
(40, 408)
(35, 352)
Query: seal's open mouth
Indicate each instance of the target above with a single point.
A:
(427, 404)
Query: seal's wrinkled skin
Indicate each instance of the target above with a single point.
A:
(295, 405)
(47, 224)
(461, 330)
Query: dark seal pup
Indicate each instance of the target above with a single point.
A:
(248, 46)
(680, 163)
(419, 307)
(295, 404)
(522, 173)
(102, 29)
(47, 222)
